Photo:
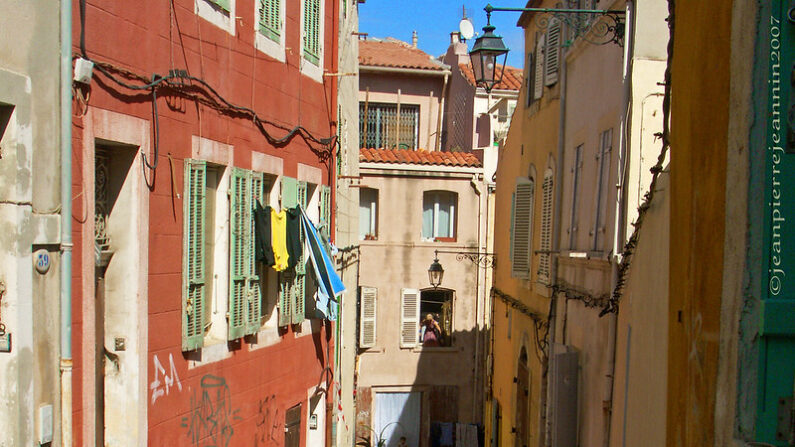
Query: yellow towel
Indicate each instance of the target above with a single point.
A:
(279, 236)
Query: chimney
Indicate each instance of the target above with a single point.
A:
(414, 38)
(455, 37)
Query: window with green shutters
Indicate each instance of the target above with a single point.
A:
(292, 283)
(270, 19)
(312, 31)
(193, 269)
(325, 215)
(298, 292)
(223, 4)
(244, 281)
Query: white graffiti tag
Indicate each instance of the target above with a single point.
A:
(168, 379)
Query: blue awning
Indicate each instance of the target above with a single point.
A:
(329, 284)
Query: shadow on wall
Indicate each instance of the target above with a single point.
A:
(436, 409)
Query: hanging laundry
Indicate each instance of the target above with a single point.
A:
(294, 248)
(262, 241)
(279, 239)
(329, 284)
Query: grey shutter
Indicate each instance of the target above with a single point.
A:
(552, 52)
(538, 70)
(409, 317)
(546, 228)
(367, 314)
(522, 228)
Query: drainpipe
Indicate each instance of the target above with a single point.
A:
(66, 223)
(475, 394)
(620, 218)
(441, 107)
(546, 393)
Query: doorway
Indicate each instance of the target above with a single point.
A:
(522, 400)
(397, 415)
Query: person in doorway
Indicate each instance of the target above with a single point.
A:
(430, 332)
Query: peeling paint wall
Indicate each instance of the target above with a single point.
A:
(29, 199)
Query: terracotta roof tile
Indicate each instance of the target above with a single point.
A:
(419, 157)
(396, 54)
(511, 79)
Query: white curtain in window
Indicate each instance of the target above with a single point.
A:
(427, 218)
(368, 198)
(445, 216)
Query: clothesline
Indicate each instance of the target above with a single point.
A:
(278, 245)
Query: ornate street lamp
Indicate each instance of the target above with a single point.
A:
(485, 56)
(435, 273)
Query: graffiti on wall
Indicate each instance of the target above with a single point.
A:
(162, 388)
(267, 422)
(211, 415)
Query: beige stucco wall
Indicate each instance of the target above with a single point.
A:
(399, 258)
(422, 90)
(642, 334)
(346, 221)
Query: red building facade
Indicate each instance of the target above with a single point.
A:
(198, 109)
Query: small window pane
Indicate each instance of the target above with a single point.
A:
(368, 213)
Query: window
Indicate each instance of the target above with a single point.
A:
(244, 282)
(546, 227)
(522, 227)
(389, 125)
(220, 13)
(312, 32)
(552, 52)
(194, 287)
(409, 317)
(368, 303)
(206, 258)
(538, 69)
(602, 186)
(292, 282)
(575, 193)
(439, 305)
(269, 34)
(529, 77)
(368, 214)
(438, 215)
(270, 19)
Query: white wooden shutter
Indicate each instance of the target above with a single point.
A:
(409, 317)
(522, 228)
(367, 315)
(552, 52)
(546, 227)
(538, 70)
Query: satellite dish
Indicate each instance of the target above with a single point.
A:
(466, 29)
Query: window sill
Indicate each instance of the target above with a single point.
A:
(311, 70)
(439, 349)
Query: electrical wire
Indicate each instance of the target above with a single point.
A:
(201, 91)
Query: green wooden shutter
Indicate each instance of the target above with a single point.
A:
(522, 228)
(288, 200)
(239, 224)
(254, 304)
(325, 215)
(270, 19)
(223, 4)
(312, 31)
(193, 293)
(298, 291)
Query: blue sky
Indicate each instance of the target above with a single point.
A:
(435, 19)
